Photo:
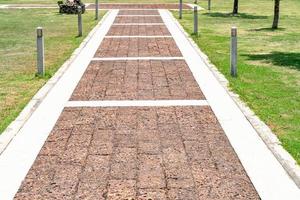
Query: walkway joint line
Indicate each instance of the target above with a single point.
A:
(136, 58)
(140, 24)
(138, 16)
(137, 103)
(138, 36)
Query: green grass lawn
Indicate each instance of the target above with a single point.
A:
(18, 57)
(268, 61)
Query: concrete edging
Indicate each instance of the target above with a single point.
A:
(264, 132)
(12, 130)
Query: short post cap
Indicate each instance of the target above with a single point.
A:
(79, 9)
(39, 31)
(234, 31)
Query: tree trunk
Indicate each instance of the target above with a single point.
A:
(235, 7)
(276, 14)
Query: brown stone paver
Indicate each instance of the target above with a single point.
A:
(140, 30)
(138, 47)
(191, 157)
(138, 6)
(142, 80)
(138, 12)
(138, 19)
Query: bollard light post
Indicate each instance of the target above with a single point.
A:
(79, 21)
(180, 9)
(97, 10)
(195, 20)
(233, 52)
(209, 5)
(40, 51)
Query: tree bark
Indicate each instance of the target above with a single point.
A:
(235, 7)
(276, 14)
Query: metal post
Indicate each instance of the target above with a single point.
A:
(97, 10)
(209, 5)
(40, 51)
(195, 20)
(79, 22)
(233, 52)
(180, 9)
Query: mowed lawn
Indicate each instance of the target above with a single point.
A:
(268, 61)
(18, 82)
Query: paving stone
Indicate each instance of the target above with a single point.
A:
(102, 143)
(150, 174)
(180, 194)
(124, 164)
(138, 47)
(138, 6)
(153, 194)
(137, 82)
(138, 19)
(121, 189)
(138, 12)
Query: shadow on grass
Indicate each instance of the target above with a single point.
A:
(240, 15)
(267, 29)
(283, 59)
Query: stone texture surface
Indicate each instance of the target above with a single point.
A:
(138, 12)
(138, 19)
(138, 47)
(138, 6)
(137, 153)
(142, 80)
(140, 30)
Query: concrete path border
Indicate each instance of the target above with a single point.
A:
(267, 175)
(266, 134)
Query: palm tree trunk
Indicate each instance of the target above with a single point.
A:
(276, 14)
(235, 7)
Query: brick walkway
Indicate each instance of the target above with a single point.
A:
(138, 6)
(177, 152)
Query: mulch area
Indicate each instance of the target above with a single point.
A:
(137, 80)
(137, 153)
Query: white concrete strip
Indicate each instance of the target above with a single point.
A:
(138, 36)
(20, 154)
(138, 15)
(137, 103)
(267, 175)
(141, 24)
(137, 58)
